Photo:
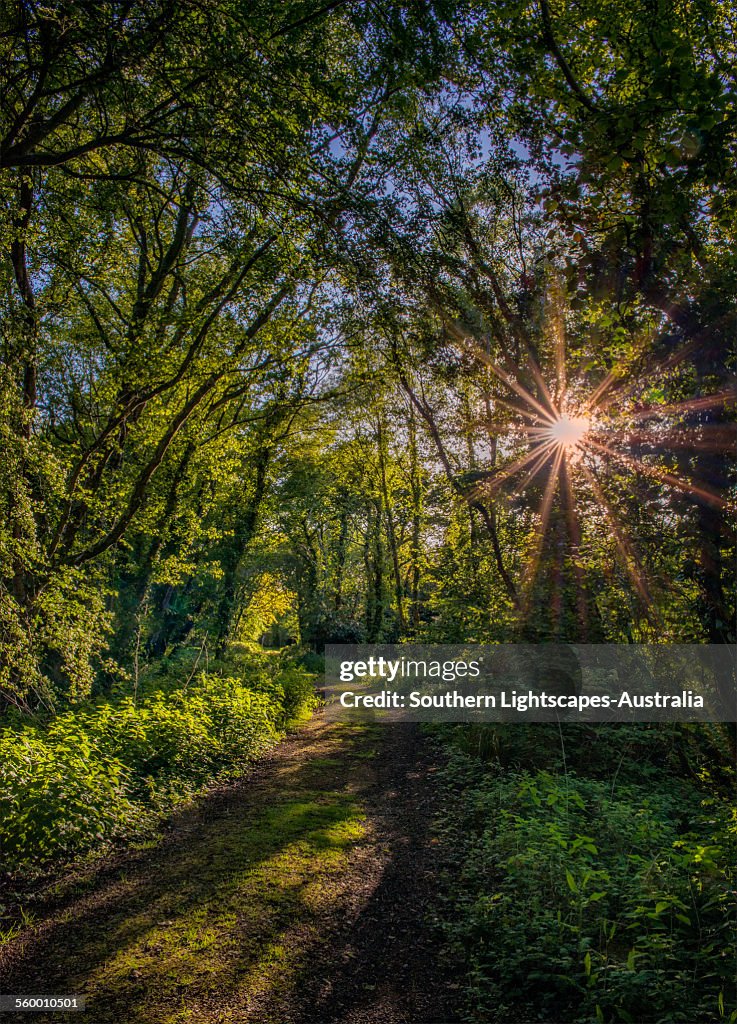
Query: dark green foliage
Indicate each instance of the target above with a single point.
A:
(583, 896)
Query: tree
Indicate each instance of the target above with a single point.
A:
(173, 178)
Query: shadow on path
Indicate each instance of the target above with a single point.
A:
(303, 893)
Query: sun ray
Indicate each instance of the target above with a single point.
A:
(690, 405)
(546, 450)
(602, 388)
(560, 364)
(533, 565)
(522, 412)
(511, 382)
(660, 367)
(501, 429)
(661, 475)
(555, 324)
(515, 386)
(709, 437)
(497, 429)
(629, 557)
(540, 381)
(574, 532)
(470, 343)
(490, 486)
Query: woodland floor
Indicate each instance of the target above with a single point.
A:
(305, 893)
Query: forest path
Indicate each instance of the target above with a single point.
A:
(302, 894)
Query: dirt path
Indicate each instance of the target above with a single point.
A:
(304, 894)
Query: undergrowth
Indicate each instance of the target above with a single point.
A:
(111, 768)
(599, 885)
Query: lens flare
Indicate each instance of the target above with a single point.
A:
(567, 432)
(573, 435)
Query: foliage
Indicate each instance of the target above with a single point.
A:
(58, 795)
(583, 898)
(105, 770)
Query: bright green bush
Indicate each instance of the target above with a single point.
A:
(193, 734)
(597, 900)
(99, 771)
(58, 795)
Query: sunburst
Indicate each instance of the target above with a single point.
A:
(569, 431)
(575, 434)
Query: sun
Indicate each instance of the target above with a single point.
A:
(568, 432)
(577, 436)
(574, 445)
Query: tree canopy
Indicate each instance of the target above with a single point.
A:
(298, 299)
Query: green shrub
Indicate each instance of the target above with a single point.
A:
(99, 771)
(581, 900)
(58, 795)
(191, 734)
(299, 696)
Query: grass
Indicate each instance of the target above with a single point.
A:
(256, 881)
